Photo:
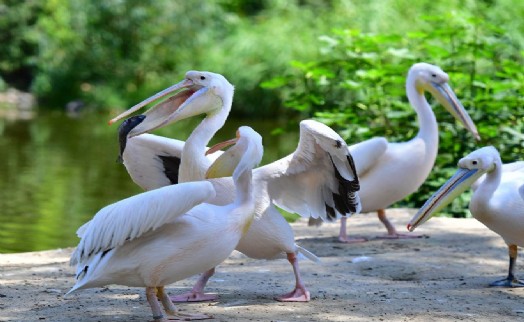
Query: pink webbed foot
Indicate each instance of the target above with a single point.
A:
(197, 293)
(297, 295)
(400, 236)
(193, 297)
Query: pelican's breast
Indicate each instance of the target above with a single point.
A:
(503, 213)
(400, 171)
(268, 237)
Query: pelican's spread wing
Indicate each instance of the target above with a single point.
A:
(128, 219)
(319, 179)
(367, 153)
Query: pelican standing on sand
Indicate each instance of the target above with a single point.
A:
(317, 180)
(497, 201)
(171, 233)
(388, 172)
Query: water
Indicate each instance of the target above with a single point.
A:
(56, 172)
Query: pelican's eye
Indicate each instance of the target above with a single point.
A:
(474, 162)
(433, 75)
(202, 77)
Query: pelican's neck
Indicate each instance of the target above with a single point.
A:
(244, 203)
(244, 188)
(427, 122)
(487, 188)
(194, 163)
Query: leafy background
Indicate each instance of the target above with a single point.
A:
(342, 62)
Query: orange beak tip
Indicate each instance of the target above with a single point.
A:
(409, 227)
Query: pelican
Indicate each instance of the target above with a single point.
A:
(497, 201)
(388, 172)
(318, 180)
(165, 235)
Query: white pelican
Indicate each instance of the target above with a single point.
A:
(497, 202)
(388, 172)
(317, 180)
(171, 233)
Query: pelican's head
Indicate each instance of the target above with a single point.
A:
(198, 93)
(484, 159)
(243, 156)
(471, 167)
(431, 78)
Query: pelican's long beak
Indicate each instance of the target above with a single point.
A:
(157, 115)
(445, 95)
(224, 165)
(456, 185)
(221, 145)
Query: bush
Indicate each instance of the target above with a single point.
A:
(357, 86)
(114, 53)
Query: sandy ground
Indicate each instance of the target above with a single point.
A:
(442, 277)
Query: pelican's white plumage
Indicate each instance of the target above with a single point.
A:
(131, 218)
(152, 152)
(305, 182)
(317, 180)
(388, 172)
(168, 234)
(153, 161)
(497, 201)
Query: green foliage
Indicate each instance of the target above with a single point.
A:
(18, 41)
(118, 52)
(349, 59)
(357, 86)
(3, 85)
(89, 49)
(114, 53)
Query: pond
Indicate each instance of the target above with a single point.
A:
(56, 172)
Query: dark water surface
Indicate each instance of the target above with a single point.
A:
(56, 172)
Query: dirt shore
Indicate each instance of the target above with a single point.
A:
(443, 276)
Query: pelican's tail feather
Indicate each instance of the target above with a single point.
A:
(306, 253)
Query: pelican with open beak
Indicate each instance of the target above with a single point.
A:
(196, 94)
(497, 202)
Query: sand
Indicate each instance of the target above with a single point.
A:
(443, 276)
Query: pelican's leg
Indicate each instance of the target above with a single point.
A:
(511, 280)
(392, 231)
(170, 309)
(155, 306)
(197, 293)
(343, 236)
(299, 294)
